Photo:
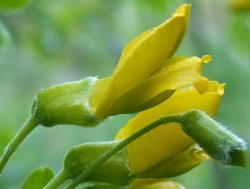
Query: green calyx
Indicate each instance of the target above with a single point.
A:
(115, 170)
(218, 142)
(65, 104)
(107, 162)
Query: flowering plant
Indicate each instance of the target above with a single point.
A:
(172, 133)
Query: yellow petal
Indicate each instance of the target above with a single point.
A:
(176, 164)
(155, 184)
(177, 72)
(143, 56)
(169, 139)
(98, 90)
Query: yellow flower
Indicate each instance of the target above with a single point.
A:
(168, 142)
(146, 74)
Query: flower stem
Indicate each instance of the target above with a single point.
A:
(15, 142)
(90, 169)
(58, 180)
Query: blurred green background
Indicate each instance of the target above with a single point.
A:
(50, 42)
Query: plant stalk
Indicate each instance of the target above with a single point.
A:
(30, 124)
(90, 169)
(58, 180)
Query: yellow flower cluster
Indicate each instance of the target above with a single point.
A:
(150, 80)
(168, 141)
(153, 73)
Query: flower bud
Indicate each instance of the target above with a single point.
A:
(219, 143)
(113, 171)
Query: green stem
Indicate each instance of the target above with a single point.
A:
(90, 169)
(15, 142)
(58, 180)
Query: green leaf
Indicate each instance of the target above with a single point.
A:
(38, 178)
(13, 4)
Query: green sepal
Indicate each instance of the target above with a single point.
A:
(66, 103)
(115, 170)
(218, 142)
(38, 178)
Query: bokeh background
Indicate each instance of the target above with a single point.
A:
(49, 42)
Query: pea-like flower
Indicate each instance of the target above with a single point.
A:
(162, 142)
(169, 136)
(175, 73)
(145, 76)
(157, 150)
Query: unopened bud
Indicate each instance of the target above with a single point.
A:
(115, 170)
(218, 142)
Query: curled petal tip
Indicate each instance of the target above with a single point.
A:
(220, 89)
(206, 59)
